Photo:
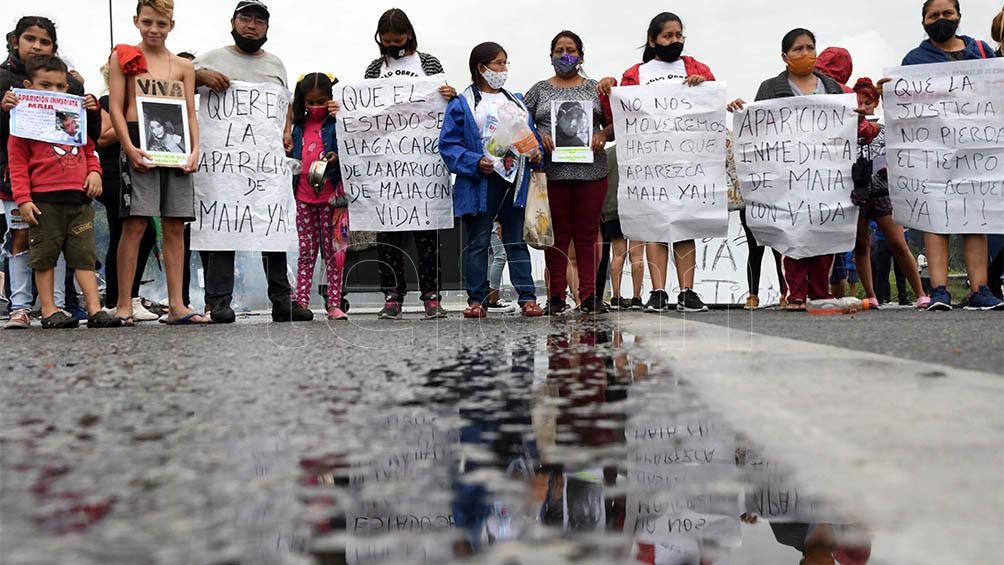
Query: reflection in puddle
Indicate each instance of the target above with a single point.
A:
(588, 454)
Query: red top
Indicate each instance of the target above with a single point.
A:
(38, 166)
(131, 59)
(313, 150)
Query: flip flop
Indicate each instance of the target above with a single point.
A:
(127, 322)
(188, 320)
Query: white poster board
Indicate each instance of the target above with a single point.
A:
(793, 158)
(671, 161)
(53, 117)
(388, 149)
(244, 186)
(945, 145)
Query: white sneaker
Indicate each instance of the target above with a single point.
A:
(141, 314)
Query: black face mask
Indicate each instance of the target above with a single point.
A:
(394, 51)
(247, 45)
(942, 30)
(668, 53)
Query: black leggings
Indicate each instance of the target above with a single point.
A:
(110, 199)
(754, 261)
(392, 268)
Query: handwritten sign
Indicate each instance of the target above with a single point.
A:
(388, 148)
(243, 187)
(671, 160)
(945, 145)
(53, 117)
(793, 158)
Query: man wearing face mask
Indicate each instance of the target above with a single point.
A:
(245, 60)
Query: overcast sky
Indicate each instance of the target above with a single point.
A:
(738, 39)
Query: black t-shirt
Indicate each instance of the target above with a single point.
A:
(956, 55)
(109, 156)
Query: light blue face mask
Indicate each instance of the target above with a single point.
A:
(566, 64)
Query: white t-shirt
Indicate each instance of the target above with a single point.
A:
(487, 112)
(658, 71)
(410, 66)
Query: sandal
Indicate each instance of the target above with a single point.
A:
(795, 306)
(189, 320)
(60, 320)
(532, 310)
(127, 321)
(475, 311)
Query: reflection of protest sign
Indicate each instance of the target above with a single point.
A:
(243, 187)
(774, 495)
(945, 145)
(53, 117)
(793, 158)
(671, 161)
(388, 144)
(572, 131)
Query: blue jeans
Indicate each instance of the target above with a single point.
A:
(479, 230)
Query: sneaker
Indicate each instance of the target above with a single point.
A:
(337, 314)
(501, 306)
(983, 299)
(302, 313)
(618, 303)
(222, 314)
(532, 309)
(103, 319)
(592, 305)
(555, 307)
(658, 301)
(873, 303)
(688, 301)
(903, 301)
(140, 313)
(940, 299)
(637, 304)
(60, 320)
(922, 303)
(752, 302)
(20, 319)
(391, 310)
(433, 308)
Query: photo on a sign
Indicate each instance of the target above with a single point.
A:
(163, 129)
(53, 117)
(572, 131)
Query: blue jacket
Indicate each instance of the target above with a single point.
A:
(461, 148)
(928, 53)
(330, 139)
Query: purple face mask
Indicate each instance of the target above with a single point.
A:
(566, 64)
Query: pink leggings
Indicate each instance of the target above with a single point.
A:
(315, 224)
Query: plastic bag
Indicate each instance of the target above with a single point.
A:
(537, 229)
(509, 130)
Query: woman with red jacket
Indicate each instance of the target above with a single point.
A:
(663, 61)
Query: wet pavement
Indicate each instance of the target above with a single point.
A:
(502, 441)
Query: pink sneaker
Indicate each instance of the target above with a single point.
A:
(873, 303)
(922, 303)
(336, 313)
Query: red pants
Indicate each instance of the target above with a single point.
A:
(575, 215)
(808, 278)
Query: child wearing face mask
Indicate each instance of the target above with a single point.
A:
(321, 208)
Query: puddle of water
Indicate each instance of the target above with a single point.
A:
(570, 448)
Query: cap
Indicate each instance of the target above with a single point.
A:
(252, 4)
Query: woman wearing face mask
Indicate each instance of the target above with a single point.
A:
(941, 21)
(480, 195)
(399, 56)
(662, 62)
(997, 32)
(807, 278)
(574, 190)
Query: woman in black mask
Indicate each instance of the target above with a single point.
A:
(941, 20)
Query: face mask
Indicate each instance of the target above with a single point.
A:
(942, 30)
(494, 79)
(801, 66)
(566, 64)
(393, 51)
(249, 46)
(669, 53)
(317, 112)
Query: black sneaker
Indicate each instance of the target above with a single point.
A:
(222, 314)
(103, 319)
(658, 302)
(61, 320)
(555, 307)
(637, 304)
(593, 305)
(391, 309)
(302, 313)
(688, 301)
(618, 303)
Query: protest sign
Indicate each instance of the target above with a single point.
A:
(53, 117)
(243, 187)
(388, 148)
(671, 161)
(793, 158)
(945, 146)
(572, 131)
(162, 112)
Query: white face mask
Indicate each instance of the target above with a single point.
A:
(495, 79)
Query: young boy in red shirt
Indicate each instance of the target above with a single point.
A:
(53, 185)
